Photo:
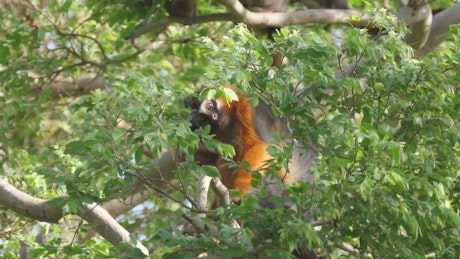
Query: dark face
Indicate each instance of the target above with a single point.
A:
(200, 120)
(211, 109)
(219, 113)
(211, 112)
(204, 113)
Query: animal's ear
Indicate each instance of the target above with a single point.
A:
(192, 102)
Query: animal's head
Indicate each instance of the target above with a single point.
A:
(214, 112)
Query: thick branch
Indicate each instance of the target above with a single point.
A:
(31, 207)
(115, 208)
(419, 18)
(221, 192)
(423, 39)
(41, 210)
(71, 87)
(83, 85)
(109, 228)
(437, 34)
(439, 29)
(223, 197)
(253, 19)
(202, 195)
(160, 174)
(281, 19)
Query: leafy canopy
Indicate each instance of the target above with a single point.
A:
(387, 168)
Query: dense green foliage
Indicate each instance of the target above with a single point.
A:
(387, 138)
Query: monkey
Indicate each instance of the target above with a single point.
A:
(249, 130)
(235, 127)
(236, 123)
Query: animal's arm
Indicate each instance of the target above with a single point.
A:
(255, 156)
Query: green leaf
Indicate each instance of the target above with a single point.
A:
(139, 154)
(230, 95)
(210, 171)
(47, 171)
(75, 146)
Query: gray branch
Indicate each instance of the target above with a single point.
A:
(419, 18)
(109, 228)
(280, 19)
(29, 206)
(201, 199)
(41, 210)
(240, 14)
(439, 29)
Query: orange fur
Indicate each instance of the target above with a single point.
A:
(234, 123)
(248, 146)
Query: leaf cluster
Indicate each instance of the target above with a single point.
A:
(387, 136)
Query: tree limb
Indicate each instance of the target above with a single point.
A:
(31, 207)
(116, 207)
(202, 195)
(253, 19)
(201, 226)
(439, 30)
(109, 228)
(423, 39)
(280, 19)
(41, 210)
(71, 87)
(223, 197)
(419, 18)
(221, 192)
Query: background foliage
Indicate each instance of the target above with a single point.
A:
(387, 169)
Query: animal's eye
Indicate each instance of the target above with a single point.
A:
(209, 106)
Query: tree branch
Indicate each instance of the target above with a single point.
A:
(31, 207)
(241, 14)
(419, 18)
(437, 34)
(202, 195)
(41, 210)
(423, 39)
(439, 29)
(280, 19)
(223, 197)
(70, 87)
(221, 192)
(201, 226)
(109, 228)
(116, 207)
